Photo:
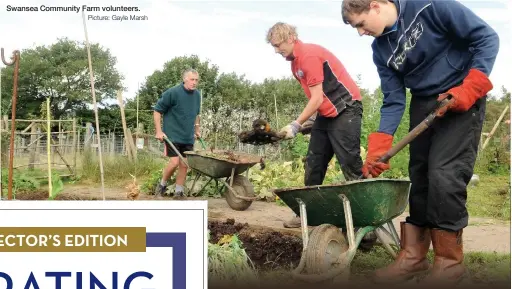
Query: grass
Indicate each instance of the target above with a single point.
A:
(484, 268)
(118, 169)
(490, 198)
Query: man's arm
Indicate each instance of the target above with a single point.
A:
(391, 112)
(197, 126)
(463, 23)
(197, 123)
(157, 118)
(312, 67)
(394, 102)
(162, 106)
(314, 103)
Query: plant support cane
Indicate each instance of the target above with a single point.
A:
(95, 106)
(16, 63)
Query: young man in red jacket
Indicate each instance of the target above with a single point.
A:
(334, 97)
(436, 48)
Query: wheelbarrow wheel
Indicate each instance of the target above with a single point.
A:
(243, 187)
(326, 244)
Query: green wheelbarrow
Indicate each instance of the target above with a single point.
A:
(219, 164)
(368, 204)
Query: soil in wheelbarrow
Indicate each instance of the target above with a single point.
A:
(266, 249)
(228, 155)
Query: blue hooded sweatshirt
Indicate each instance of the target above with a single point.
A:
(429, 50)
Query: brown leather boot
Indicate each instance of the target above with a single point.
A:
(448, 261)
(411, 260)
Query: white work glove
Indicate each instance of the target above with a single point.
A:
(290, 131)
(306, 126)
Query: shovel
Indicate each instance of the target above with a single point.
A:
(426, 123)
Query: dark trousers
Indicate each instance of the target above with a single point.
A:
(441, 164)
(338, 136)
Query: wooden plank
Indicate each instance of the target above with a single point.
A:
(123, 121)
(494, 128)
(33, 139)
(74, 145)
(131, 144)
(57, 151)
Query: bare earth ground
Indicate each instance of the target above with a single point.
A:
(482, 234)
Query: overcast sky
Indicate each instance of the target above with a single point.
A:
(229, 33)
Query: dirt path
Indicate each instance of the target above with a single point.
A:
(481, 235)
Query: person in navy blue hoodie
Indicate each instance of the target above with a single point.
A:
(437, 49)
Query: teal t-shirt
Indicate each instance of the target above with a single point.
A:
(179, 108)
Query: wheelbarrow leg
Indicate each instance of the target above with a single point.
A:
(391, 234)
(353, 239)
(394, 233)
(203, 187)
(386, 245)
(226, 183)
(297, 272)
(217, 189)
(232, 176)
(194, 183)
(303, 224)
(348, 222)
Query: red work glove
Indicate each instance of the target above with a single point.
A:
(475, 86)
(378, 144)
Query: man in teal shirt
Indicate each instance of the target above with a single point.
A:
(179, 106)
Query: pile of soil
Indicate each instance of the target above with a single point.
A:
(266, 249)
(223, 155)
(255, 137)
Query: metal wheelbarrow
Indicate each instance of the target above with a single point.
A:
(369, 204)
(218, 164)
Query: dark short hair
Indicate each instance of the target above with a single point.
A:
(355, 7)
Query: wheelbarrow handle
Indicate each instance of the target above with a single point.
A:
(426, 123)
(202, 143)
(175, 150)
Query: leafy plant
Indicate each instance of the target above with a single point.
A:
(277, 175)
(228, 261)
(30, 181)
(21, 182)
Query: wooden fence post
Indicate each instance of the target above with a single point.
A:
(33, 138)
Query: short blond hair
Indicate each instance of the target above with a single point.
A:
(355, 7)
(281, 32)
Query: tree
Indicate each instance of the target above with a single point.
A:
(60, 71)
